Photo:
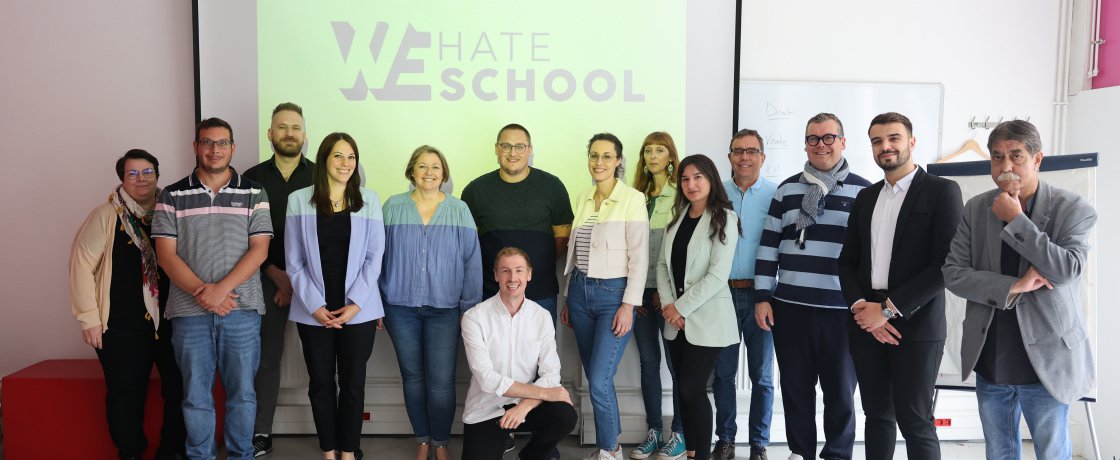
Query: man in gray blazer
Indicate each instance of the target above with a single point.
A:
(1017, 258)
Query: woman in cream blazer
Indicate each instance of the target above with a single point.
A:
(692, 283)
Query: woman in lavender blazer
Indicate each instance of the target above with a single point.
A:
(334, 243)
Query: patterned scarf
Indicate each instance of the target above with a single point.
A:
(821, 183)
(132, 217)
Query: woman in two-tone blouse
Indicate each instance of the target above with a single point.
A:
(604, 278)
(333, 243)
(433, 273)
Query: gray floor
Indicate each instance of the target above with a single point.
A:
(306, 448)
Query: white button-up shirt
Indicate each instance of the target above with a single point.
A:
(502, 349)
(883, 222)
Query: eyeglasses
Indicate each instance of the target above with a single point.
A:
(133, 174)
(751, 151)
(828, 139)
(606, 157)
(518, 148)
(218, 144)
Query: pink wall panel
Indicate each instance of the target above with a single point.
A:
(1110, 52)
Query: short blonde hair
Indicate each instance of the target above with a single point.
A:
(416, 157)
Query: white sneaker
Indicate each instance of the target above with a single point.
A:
(796, 457)
(600, 454)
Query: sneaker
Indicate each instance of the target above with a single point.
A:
(510, 445)
(796, 457)
(673, 448)
(261, 445)
(758, 453)
(647, 447)
(723, 451)
(600, 454)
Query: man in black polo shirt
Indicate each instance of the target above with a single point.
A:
(287, 171)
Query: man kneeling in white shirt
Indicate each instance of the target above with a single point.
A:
(510, 341)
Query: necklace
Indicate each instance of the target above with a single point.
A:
(337, 204)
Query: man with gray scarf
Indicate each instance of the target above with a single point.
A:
(801, 241)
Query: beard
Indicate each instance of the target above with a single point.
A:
(288, 150)
(900, 158)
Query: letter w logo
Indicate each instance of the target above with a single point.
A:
(392, 90)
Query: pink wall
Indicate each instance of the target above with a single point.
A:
(1110, 51)
(83, 82)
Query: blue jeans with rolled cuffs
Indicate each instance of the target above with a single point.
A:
(230, 345)
(592, 304)
(648, 338)
(1001, 407)
(426, 340)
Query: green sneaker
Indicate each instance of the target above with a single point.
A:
(647, 447)
(673, 449)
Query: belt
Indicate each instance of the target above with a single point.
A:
(741, 284)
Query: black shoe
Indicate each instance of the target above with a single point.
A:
(723, 451)
(358, 454)
(758, 453)
(261, 445)
(510, 445)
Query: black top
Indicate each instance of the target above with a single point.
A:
(126, 300)
(334, 247)
(268, 176)
(1003, 360)
(522, 215)
(686, 227)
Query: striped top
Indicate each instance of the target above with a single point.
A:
(583, 240)
(436, 265)
(810, 275)
(305, 267)
(212, 231)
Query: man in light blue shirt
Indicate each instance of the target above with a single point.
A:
(750, 194)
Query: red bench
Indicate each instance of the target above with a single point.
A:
(56, 409)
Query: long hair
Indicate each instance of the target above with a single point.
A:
(643, 179)
(717, 201)
(321, 194)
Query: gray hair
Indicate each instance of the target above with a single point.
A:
(823, 117)
(1017, 130)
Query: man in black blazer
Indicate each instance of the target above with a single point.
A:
(898, 236)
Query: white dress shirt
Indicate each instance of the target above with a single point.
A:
(502, 349)
(883, 222)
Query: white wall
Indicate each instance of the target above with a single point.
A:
(1092, 128)
(83, 83)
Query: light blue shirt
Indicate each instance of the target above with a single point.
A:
(751, 206)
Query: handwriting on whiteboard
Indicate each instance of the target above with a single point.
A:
(774, 112)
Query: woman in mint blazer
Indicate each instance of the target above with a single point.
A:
(692, 283)
(334, 243)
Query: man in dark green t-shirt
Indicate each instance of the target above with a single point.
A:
(523, 207)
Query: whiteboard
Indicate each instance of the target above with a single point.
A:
(779, 110)
(1075, 173)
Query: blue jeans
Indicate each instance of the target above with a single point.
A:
(648, 338)
(1000, 409)
(760, 368)
(592, 304)
(230, 345)
(426, 340)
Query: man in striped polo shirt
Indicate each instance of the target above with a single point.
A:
(797, 292)
(212, 231)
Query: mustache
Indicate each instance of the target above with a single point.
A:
(1008, 176)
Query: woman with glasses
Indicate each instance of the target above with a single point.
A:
(433, 273)
(113, 262)
(604, 277)
(656, 180)
(696, 301)
(334, 239)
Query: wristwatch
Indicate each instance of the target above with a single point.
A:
(887, 312)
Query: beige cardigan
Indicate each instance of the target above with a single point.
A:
(91, 267)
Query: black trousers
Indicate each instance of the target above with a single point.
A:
(126, 359)
(694, 366)
(550, 423)
(274, 324)
(337, 408)
(810, 344)
(897, 384)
